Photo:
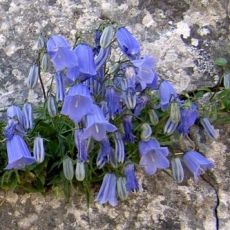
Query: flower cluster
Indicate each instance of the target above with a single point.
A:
(115, 108)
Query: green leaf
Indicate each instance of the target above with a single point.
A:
(221, 61)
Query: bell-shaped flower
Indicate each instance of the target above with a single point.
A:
(60, 87)
(145, 74)
(104, 153)
(153, 156)
(61, 53)
(188, 118)
(97, 125)
(77, 103)
(132, 184)
(86, 62)
(14, 112)
(209, 129)
(167, 94)
(128, 44)
(127, 125)
(107, 192)
(38, 150)
(81, 144)
(196, 163)
(113, 101)
(18, 153)
(28, 116)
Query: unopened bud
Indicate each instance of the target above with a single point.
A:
(39, 152)
(107, 36)
(80, 171)
(227, 80)
(146, 132)
(68, 168)
(121, 188)
(51, 106)
(175, 112)
(153, 117)
(209, 129)
(40, 43)
(170, 127)
(33, 76)
(130, 98)
(44, 62)
(28, 116)
(177, 169)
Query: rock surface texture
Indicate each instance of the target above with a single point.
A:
(185, 36)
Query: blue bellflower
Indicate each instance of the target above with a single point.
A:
(107, 192)
(153, 156)
(132, 184)
(97, 125)
(61, 53)
(18, 153)
(188, 118)
(145, 74)
(167, 94)
(141, 103)
(128, 44)
(77, 103)
(196, 163)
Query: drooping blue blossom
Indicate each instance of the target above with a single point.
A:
(130, 78)
(60, 87)
(141, 103)
(77, 103)
(97, 125)
(208, 128)
(107, 192)
(167, 94)
(28, 116)
(188, 118)
(104, 153)
(153, 156)
(18, 153)
(197, 163)
(87, 66)
(132, 184)
(81, 144)
(128, 44)
(61, 53)
(14, 112)
(127, 125)
(113, 101)
(145, 74)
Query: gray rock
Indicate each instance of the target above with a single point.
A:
(185, 36)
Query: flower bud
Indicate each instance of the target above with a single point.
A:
(227, 80)
(102, 57)
(121, 188)
(60, 88)
(146, 132)
(68, 168)
(170, 127)
(28, 116)
(175, 112)
(44, 62)
(80, 171)
(40, 43)
(119, 147)
(209, 129)
(130, 98)
(39, 152)
(153, 117)
(177, 169)
(51, 106)
(33, 76)
(107, 36)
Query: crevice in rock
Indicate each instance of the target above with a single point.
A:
(215, 188)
